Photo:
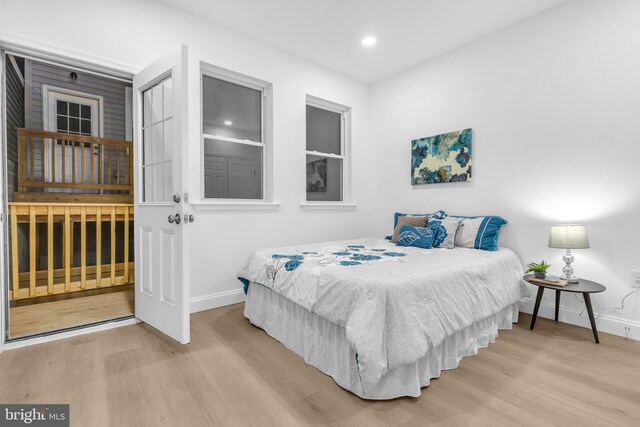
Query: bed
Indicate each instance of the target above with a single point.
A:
(382, 320)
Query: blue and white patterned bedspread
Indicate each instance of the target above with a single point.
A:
(394, 302)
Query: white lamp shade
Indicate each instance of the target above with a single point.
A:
(568, 236)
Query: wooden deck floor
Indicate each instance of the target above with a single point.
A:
(53, 315)
(234, 374)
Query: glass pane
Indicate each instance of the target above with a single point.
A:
(85, 110)
(231, 110)
(157, 184)
(74, 125)
(159, 181)
(85, 127)
(62, 124)
(168, 180)
(168, 98)
(168, 140)
(156, 104)
(324, 130)
(149, 184)
(232, 170)
(324, 178)
(61, 107)
(153, 145)
(74, 109)
(146, 108)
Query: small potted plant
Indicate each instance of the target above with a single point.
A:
(539, 270)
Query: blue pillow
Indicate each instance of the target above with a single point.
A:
(420, 237)
(479, 232)
(436, 215)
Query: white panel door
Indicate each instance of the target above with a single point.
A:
(160, 129)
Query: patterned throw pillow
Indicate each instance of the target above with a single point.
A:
(445, 232)
(480, 232)
(420, 237)
(416, 221)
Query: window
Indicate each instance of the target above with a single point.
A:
(73, 117)
(326, 162)
(233, 136)
(157, 142)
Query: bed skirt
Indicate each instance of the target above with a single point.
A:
(323, 344)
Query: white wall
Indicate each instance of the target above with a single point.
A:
(134, 33)
(554, 103)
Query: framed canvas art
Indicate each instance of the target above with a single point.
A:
(441, 158)
(317, 176)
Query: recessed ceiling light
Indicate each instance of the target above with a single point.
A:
(369, 41)
(228, 122)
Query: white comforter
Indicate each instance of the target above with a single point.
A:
(394, 302)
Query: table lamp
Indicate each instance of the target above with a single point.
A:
(568, 236)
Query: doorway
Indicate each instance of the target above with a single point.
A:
(69, 198)
(77, 113)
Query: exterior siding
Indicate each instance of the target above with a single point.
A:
(15, 119)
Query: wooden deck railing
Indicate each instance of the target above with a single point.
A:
(75, 162)
(39, 281)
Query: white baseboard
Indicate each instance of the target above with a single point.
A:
(220, 299)
(605, 323)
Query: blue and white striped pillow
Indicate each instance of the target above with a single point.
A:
(445, 231)
(479, 232)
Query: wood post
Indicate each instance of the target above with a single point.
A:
(50, 250)
(15, 254)
(113, 245)
(83, 248)
(67, 249)
(126, 245)
(99, 245)
(32, 251)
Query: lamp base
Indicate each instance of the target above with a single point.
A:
(567, 269)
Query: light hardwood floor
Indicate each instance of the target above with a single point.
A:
(52, 315)
(235, 374)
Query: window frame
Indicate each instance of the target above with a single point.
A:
(266, 202)
(345, 155)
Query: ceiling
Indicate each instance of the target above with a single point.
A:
(328, 32)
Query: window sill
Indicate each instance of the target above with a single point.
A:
(328, 206)
(236, 206)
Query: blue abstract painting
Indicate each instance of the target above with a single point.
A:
(441, 158)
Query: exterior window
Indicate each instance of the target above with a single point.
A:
(326, 151)
(233, 127)
(72, 117)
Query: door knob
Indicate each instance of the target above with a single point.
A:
(188, 218)
(174, 218)
(176, 198)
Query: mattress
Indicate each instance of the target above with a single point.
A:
(394, 304)
(324, 345)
